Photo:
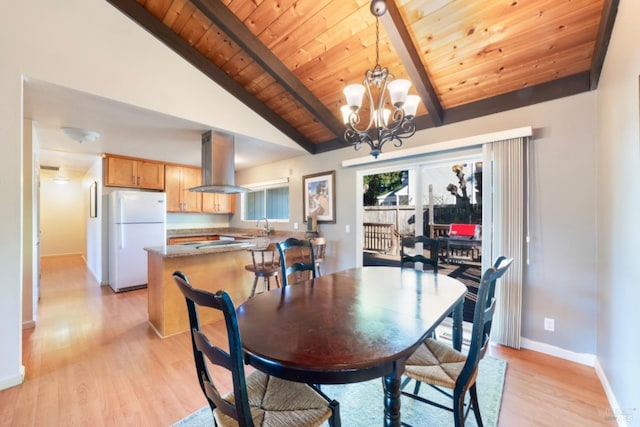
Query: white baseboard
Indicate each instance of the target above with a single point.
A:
(64, 254)
(552, 350)
(617, 413)
(13, 381)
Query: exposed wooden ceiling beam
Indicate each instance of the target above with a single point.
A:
(554, 89)
(406, 50)
(609, 12)
(571, 85)
(220, 15)
(142, 17)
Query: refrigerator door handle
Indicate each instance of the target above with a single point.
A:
(121, 206)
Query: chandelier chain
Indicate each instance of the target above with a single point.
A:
(377, 41)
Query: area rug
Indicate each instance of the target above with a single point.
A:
(361, 404)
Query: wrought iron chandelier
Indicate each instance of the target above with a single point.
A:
(394, 123)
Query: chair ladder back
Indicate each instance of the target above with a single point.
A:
(219, 357)
(268, 258)
(319, 249)
(319, 245)
(288, 249)
(482, 318)
(194, 322)
(432, 244)
(231, 361)
(266, 261)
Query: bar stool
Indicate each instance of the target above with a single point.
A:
(319, 246)
(266, 265)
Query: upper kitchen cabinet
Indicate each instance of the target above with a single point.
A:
(218, 203)
(178, 180)
(130, 172)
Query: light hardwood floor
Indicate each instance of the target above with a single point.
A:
(93, 361)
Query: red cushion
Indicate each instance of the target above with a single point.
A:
(462, 230)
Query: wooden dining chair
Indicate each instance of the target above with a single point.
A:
(408, 252)
(297, 260)
(257, 399)
(265, 265)
(319, 249)
(436, 363)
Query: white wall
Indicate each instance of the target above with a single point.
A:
(561, 280)
(618, 227)
(93, 249)
(11, 369)
(30, 231)
(63, 215)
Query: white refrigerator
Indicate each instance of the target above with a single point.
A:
(137, 219)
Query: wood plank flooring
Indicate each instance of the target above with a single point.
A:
(93, 361)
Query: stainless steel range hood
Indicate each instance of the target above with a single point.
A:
(218, 151)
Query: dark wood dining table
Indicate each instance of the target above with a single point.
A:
(350, 326)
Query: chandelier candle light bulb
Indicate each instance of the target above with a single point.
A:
(398, 91)
(354, 94)
(384, 124)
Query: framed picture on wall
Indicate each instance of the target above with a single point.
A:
(319, 197)
(93, 200)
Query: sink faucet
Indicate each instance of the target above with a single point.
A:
(266, 229)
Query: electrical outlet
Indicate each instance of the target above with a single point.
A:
(347, 229)
(549, 324)
(295, 225)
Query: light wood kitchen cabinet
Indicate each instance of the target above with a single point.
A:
(133, 173)
(178, 180)
(218, 203)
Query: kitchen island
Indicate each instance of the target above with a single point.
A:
(212, 260)
(209, 265)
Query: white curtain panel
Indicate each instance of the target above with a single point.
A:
(508, 212)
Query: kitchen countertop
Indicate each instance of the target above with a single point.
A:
(173, 251)
(230, 231)
(244, 239)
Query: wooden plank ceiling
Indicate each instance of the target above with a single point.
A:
(290, 59)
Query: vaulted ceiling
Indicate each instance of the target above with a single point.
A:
(289, 60)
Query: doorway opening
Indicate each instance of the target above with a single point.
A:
(441, 200)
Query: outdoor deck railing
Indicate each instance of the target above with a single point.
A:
(380, 237)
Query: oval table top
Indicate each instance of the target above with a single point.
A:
(349, 326)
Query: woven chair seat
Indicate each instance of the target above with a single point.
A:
(278, 403)
(436, 363)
